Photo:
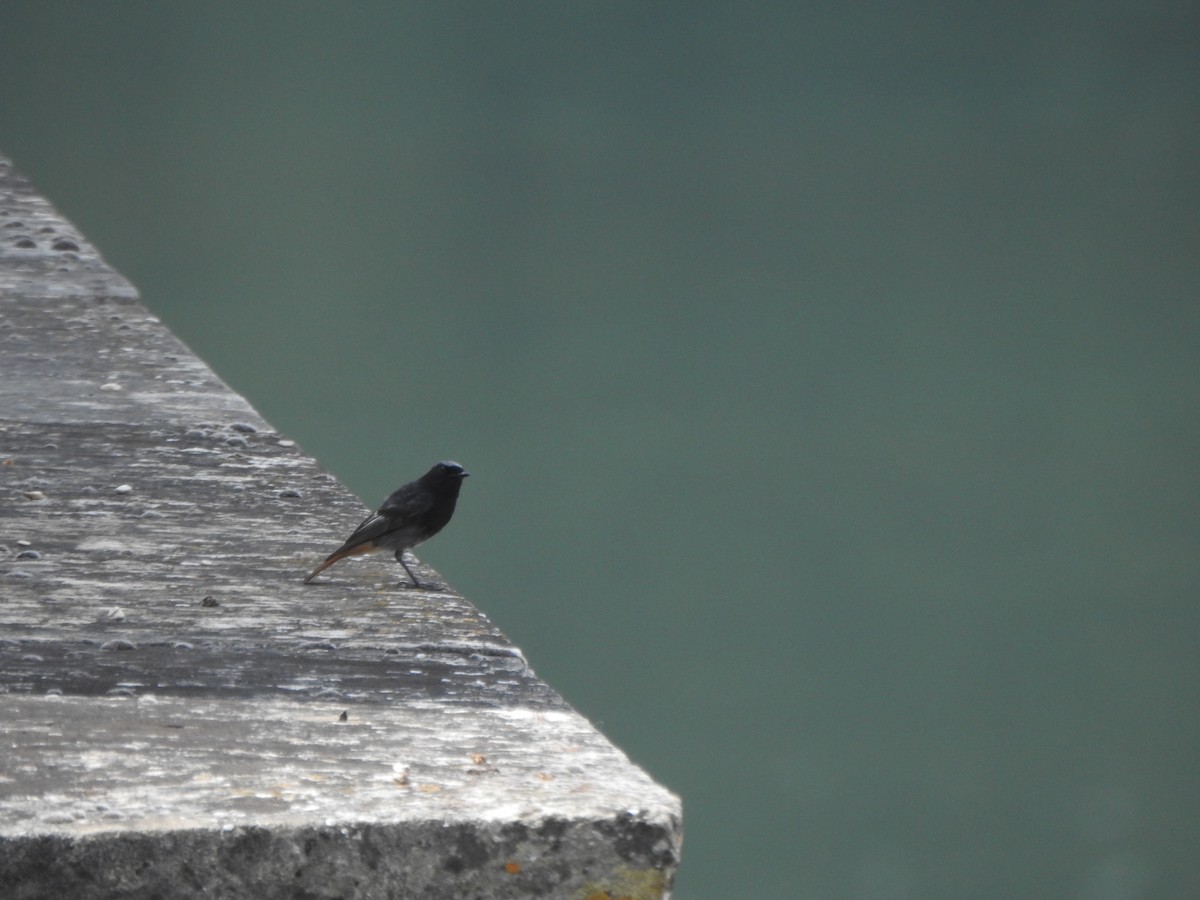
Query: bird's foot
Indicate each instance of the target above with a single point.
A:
(415, 585)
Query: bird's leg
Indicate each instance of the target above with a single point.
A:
(400, 559)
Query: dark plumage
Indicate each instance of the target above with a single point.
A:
(411, 515)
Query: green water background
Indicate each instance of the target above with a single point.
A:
(828, 374)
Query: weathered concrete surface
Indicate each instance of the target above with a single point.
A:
(171, 694)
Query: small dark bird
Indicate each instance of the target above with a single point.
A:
(411, 515)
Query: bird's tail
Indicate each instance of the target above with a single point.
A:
(336, 556)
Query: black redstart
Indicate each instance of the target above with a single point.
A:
(412, 514)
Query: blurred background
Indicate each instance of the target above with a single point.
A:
(828, 374)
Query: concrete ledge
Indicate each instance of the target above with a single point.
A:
(183, 717)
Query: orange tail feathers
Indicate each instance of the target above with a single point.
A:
(337, 556)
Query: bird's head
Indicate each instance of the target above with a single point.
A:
(449, 469)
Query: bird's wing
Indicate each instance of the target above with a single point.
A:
(397, 511)
(372, 527)
(407, 503)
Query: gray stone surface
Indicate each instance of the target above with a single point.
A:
(182, 717)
